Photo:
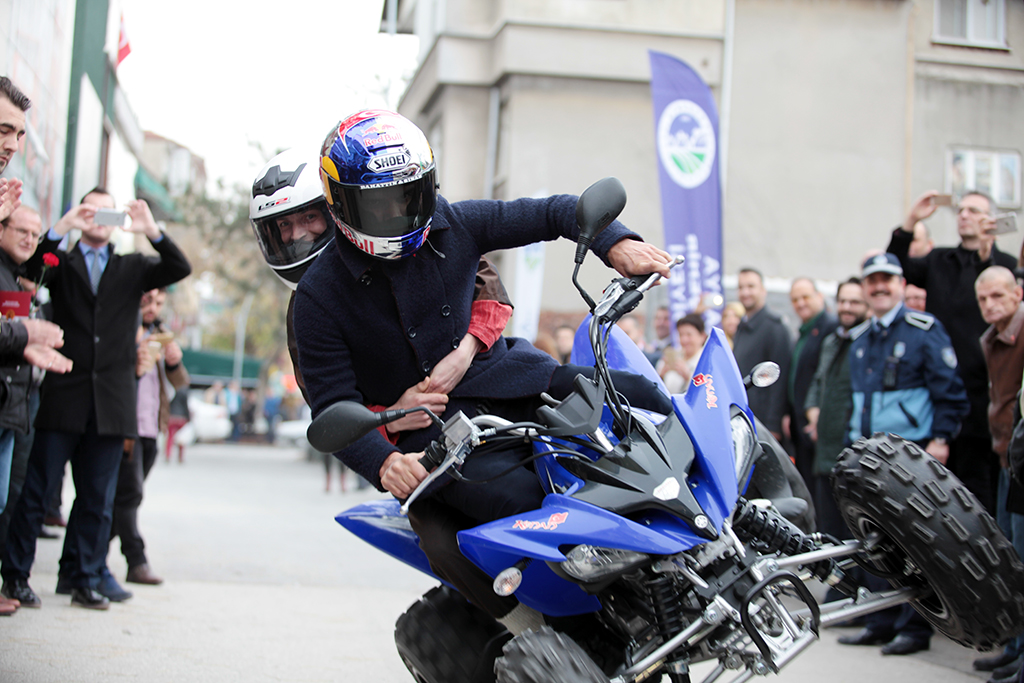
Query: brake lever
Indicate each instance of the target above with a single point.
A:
(458, 437)
(449, 460)
(624, 294)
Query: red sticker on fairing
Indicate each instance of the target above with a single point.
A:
(552, 523)
(709, 389)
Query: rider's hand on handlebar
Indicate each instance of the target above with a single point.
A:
(412, 398)
(632, 257)
(401, 473)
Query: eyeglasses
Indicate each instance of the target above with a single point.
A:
(22, 233)
(972, 209)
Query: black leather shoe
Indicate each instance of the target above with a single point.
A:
(905, 645)
(88, 598)
(1003, 671)
(993, 663)
(18, 589)
(866, 636)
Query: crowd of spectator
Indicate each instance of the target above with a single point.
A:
(99, 402)
(908, 346)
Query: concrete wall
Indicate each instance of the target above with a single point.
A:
(842, 111)
(35, 52)
(816, 156)
(965, 97)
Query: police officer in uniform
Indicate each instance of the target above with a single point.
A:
(904, 380)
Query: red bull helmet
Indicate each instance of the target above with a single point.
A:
(379, 179)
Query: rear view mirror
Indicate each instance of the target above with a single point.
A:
(341, 425)
(597, 207)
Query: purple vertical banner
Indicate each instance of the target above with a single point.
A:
(686, 138)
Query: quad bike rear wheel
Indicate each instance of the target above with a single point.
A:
(544, 656)
(442, 638)
(932, 532)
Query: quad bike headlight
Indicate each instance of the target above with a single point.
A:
(591, 563)
(743, 441)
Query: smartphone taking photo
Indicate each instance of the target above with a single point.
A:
(109, 217)
(943, 200)
(1005, 222)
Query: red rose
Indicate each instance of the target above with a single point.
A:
(50, 259)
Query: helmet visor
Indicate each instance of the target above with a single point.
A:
(290, 238)
(386, 211)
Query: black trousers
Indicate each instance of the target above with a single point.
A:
(460, 505)
(974, 463)
(95, 459)
(128, 498)
(19, 467)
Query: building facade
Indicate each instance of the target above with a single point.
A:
(835, 114)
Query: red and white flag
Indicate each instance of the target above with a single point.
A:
(123, 47)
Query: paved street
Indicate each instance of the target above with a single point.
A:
(263, 585)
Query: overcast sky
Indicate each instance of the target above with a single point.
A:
(214, 75)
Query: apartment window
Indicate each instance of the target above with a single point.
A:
(994, 172)
(976, 23)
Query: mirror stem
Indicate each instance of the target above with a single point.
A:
(387, 416)
(583, 293)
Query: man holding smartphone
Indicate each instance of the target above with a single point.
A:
(85, 416)
(948, 274)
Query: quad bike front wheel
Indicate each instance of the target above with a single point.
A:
(442, 638)
(929, 531)
(544, 656)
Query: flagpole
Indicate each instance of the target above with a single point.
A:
(726, 109)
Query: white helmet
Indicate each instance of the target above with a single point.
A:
(289, 215)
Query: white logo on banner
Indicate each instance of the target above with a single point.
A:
(686, 143)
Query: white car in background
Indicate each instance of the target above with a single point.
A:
(293, 432)
(208, 422)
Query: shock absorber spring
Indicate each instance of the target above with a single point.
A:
(668, 614)
(666, 606)
(770, 532)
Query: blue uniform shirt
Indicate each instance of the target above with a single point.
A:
(904, 379)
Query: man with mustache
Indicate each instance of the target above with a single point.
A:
(903, 373)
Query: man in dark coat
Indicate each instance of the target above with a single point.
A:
(382, 308)
(816, 323)
(19, 234)
(948, 275)
(85, 415)
(829, 403)
(762, 336)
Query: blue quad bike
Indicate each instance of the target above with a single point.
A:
(668, 540)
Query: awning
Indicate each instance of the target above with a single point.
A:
(207, 367)
(160, 202)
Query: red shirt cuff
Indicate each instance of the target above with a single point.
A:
(392, 438)
(488, 321)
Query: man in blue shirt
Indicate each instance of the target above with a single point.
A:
(904, 380)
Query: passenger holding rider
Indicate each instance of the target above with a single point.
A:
(289, 216)
(378, 314)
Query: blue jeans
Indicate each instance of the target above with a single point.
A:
(6, 456)
(1012, 524)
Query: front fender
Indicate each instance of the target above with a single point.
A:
(561, 521)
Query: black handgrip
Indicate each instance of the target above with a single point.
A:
(433, 455)
(626, 303)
